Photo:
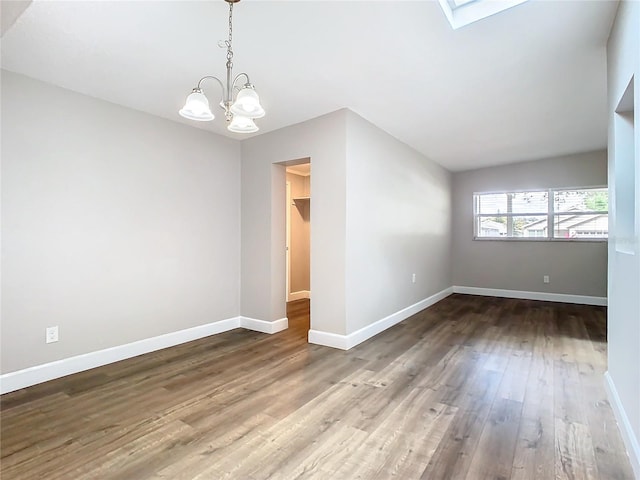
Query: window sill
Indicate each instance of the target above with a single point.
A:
(533, 239)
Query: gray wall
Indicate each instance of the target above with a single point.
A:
(379, 212)
(624, 247)
(117, 226)
(573, 267)
(322, 140)
(398, 224)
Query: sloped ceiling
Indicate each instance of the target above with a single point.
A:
(524, 84)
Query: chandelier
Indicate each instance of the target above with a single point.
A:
(239, 113)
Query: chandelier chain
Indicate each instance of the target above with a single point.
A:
(229, 45)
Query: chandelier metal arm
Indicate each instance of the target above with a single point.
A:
(224, 99)
(212, 78)
(248, 82)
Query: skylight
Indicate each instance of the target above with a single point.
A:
(458, 3)
(463, 12)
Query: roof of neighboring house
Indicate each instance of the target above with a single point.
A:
(487, 223)
(542, 223)
(570, 221)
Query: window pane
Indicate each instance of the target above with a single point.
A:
(581, 226)
(582, 200)
(531, 227)
(516, 202)
(529, 202)
(492, 227)
(516, 226)
(492, 203)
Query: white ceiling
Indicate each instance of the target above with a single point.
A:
(527, 83)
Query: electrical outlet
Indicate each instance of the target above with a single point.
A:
(51, 334)
(545, 279)
(413, 278)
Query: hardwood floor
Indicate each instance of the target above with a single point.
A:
(471, 388)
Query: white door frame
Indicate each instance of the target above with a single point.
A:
(288, 240)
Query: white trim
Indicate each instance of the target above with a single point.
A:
(548, 297)
(299, 295)
(263, 325)
(345, 342)
(328, 339)
(288, 240)
(624, 425)
(79, 363)
(67, 366)
(373, 329)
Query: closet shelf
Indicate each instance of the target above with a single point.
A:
(302, 199)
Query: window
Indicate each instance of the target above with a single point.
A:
(554, 214)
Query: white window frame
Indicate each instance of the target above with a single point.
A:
(550, 214)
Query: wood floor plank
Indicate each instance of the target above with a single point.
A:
(493, 457)
(406, 440)
(472, 387)
(453, 457)
(574, 458)
(535, 445)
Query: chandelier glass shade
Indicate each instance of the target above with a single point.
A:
(239, 112)
(197, 107)
(248, 103)
(241, 124)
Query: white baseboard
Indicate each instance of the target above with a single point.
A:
(345, 342)
(299, 295)
(549, 297)
(328, 339)
(79, 363)
(624, 425)
(264, 326)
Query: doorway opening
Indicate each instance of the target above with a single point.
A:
(298, 244)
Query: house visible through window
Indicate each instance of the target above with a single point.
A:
(553, 214)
